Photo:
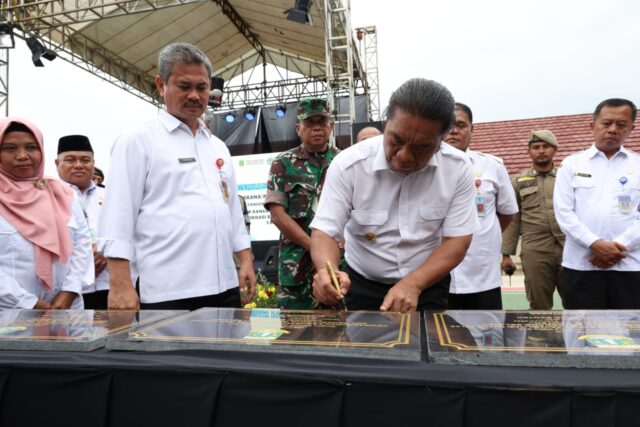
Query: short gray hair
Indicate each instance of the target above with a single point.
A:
(183, 53)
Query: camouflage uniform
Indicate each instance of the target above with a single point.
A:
(295, 182)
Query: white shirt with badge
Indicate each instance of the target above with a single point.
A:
(480, 269)
(392, 222)
(599, 198)
(172, 197)
(91, 202)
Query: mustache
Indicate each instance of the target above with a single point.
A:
(193, 104)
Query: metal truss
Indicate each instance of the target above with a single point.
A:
(240, 25)
(4, 81)
(36, 16)
(342, 66)
(369, 38)
(283, 91)
(58, 24)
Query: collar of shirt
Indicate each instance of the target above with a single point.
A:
(303, 154)
(593, 151)
(534, 172)
(380, 161)
(91, 189)
(171, 123)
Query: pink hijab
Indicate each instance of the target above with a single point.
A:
(39, 215)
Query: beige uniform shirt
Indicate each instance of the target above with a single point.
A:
(536, 221)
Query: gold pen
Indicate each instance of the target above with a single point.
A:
(334, 280)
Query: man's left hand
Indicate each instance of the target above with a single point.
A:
(401, 297)
(63, 300)
(247, 277)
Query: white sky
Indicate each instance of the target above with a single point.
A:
(506, 59)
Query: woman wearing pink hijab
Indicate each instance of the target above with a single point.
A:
(45, 246)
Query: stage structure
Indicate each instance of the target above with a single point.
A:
(264, 58)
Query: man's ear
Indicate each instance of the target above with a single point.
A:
(159, 85)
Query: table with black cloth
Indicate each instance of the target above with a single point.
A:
(218, 388)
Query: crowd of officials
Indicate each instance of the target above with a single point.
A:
(410, 217)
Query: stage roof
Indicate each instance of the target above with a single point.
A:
(122, 38)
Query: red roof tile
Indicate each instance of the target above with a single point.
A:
(508, 139)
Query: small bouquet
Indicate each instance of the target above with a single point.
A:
(265, 296)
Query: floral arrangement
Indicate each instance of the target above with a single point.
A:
(265, 296)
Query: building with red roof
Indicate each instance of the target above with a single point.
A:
(508, 139)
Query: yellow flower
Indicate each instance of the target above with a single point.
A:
(262, 294)
(250, 305)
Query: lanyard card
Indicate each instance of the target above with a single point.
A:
(481, 206)
(624, 204)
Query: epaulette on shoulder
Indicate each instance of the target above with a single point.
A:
(491, 156)
(454, 153)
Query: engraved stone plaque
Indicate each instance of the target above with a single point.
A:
(570, 338)
(68, 330)
(358, 334)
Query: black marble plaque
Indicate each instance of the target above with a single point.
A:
(570, 338)
(359, 334)
(68, 330)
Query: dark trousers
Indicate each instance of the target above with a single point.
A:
(96, 300)
(229, 298)
(365, 294)
(485, 300)
(600, 290)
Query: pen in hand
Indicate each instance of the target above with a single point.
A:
(334, 280)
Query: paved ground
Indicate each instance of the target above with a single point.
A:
(513, 295)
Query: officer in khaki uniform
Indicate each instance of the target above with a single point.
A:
(542, 239)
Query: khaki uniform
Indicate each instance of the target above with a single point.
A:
(542, 239)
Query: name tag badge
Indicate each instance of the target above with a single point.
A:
(187, 160)
(481, 206)
(624, 204)
(225, 190)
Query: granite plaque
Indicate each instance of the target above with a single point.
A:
(358, 334)
(570, 338)
(68, 330)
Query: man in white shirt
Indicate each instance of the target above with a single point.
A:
(403, 202)
(75, 167)
(172, 197)
(476, 282)
(597, 202)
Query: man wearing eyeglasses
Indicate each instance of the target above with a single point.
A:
(293, 190)
(75, 166)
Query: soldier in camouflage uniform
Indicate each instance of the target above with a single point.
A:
(293, 189)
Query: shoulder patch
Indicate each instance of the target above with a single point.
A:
(525, 178)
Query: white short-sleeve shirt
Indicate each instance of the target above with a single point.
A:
(480, 269)
(587, 197)
(392, 222)
(172, 197)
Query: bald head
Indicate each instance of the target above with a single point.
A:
(368, 132)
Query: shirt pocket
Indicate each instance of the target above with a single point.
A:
(430, 219)
(368, 222)
(301, 200)
(10, 239)
(582, 182)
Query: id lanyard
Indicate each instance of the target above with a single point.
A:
(481, 203)
(224, 188)
(624, 200)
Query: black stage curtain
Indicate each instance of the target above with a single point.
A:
(216, 388)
